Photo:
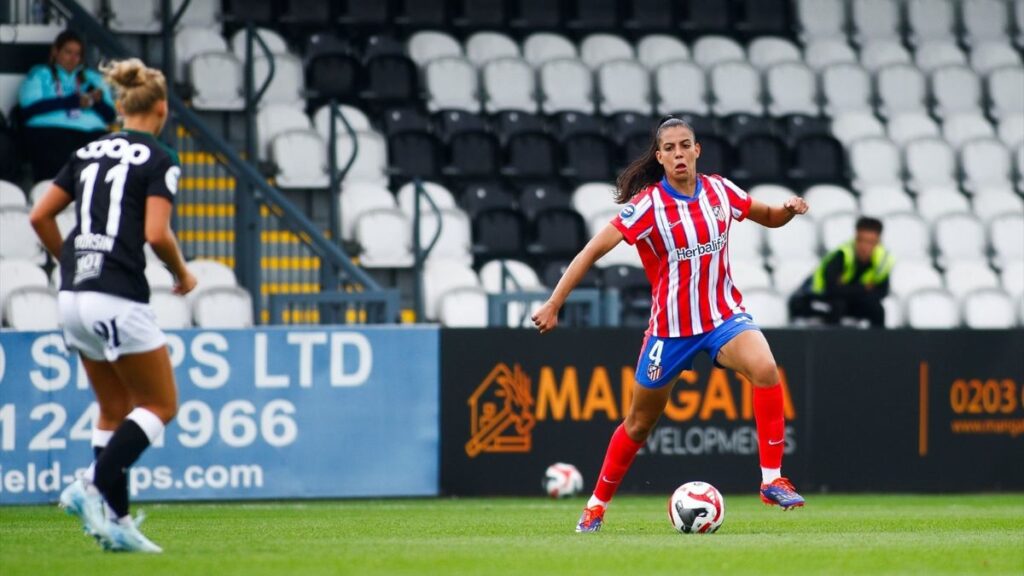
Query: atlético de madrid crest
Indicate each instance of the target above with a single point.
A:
(653, 372)
(719, 213)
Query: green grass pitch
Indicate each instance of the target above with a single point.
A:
(834, 534)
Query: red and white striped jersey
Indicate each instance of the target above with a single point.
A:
(683, 243)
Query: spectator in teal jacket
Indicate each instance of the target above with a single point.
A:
(64, 106)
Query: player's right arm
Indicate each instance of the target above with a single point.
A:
(161, 238)
(44, 218)
(546, 317)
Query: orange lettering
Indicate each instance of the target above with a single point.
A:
(718, 396)
(628, 382)
(787, 401)
(599, 396)
(560, 396)
(684, 404)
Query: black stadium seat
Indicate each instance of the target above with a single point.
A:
(818, 158)
(256, 11)
(508, 124)
(449, 123)
(739, 126)
(405, 119)
(473, 155)
(796, 126)
(360, 14)
(760, 158)
(533, 15)
(572, 123)
(625, 126)
(480, 14)
(557, 233)
(414, 154)
(390, 79)
(649, 15)
(552, 272)
(715, 155)
(304, 13)
(498, 233)
(634, 292)
(593, 15)
(531, 156)
(336, 76)
(535, 198)
(485, 196)
(418, 14)
(588, 157)
(699, 17)
(764, 17)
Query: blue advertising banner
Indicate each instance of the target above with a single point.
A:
(265, 413)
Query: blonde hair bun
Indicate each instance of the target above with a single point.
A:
(138, 86)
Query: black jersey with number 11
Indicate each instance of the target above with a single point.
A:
(110, 180)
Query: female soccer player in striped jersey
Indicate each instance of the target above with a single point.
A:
(123, 187)
(679, 221)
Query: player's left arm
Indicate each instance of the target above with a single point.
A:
(44, 218)
(776, 216)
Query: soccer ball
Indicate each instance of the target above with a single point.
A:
(696, 507)
(562, 480)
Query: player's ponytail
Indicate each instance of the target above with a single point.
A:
(138, 87)
(646, 169)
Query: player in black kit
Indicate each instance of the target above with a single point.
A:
(123, 187)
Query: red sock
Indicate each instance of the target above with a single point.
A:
(771, 425)
(621, 451)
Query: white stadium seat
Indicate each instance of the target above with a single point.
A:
(451, 84)
(875, 19)
(709, 51)
(441, 276)
(836, 229)
(594, 198)
(1006, 91)
(370, 163)
(356, 118)
(599, 49)
(939, 203)
(223, 307)
(906, 236)
(986, 163)
(38, 190)
(300, 157)
(442, 197)
(32, 308)
(746, 241)
(385, 235)
(989, 309)
(681, 86)
(749, 274)
(135, 16)
(821, 18)
(622, 253)
(930, 163)
(274, 41)
(455, 241)
(483, 47)
(357, 198)
(893, 312)
(821, 53)
(654, 50)
(883, 200)
(846, 88)
(287, 84)
(932, 309)
(792, 89)
(901, 89)
(277, 119)
(984, 20)
(875, 161)
(509, 84)
(789, 274)
(962, 128)
(499, 276)
(767, 307)
(209, 274)
(930, 20)
(158, 277)
(828, 199)
(956, 90)
(852, 126)
(959, 237)
(17, 238)
(465, 307)
(11, 195)
(966, 276)
(216, 78)
(1012, 277)
(996, 202)
(909, 276)
(1006, 235)
(191, 41)
(771, 193)
(542, 47)
(878, 54)
(909, 126)
(17, 274)
(567, 85)
(200, 13)
(769, 51)
(934, 54)
(736, 87)
(624, 86)
(988, 56)
(426, 46)
(172, 311)
(1011, 130)
(797, 239)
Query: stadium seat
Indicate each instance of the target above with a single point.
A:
(415, 155)
(875, 19)
(792, 89)
(286, 86)
(209, 274)
(480, 14)
(1011, 130)
(901, 88)
(984, 20)
(654, 50)
(767, 307)
(938, 203)
(988, 309)
(498, 233)
(761, 158)
(649, 15)
(223, 307)
(929, 20)
(1012, 277)
(358, 198)
(274, 120)
(846, 88)
(906, 236)
(390, 78)
(370, 163)
(1006, 91)
(172, 311)
(959, 237)
(566, 86)
(441, 196)
(796, 240)
(531, 156)
(594, 198)
(32, 308)
(989, 56)
(159, 277)
(300, 157)
(365, 15)
(771, 194)
(878, 54)
(258, 11)
(455, 241)
(216, 80)
(465, 307)
(873, 162)
(473, 155)
(16, 274)
(828, 199)
(542, 47)
(275, 43)
(818, 158)
(427, 46)
(762, 17)
(934, 54)
(621, 255)
(930, 163)
(483, 47)
(540, 196)
(746, 241)
(910, 126)
(385, 235)
(623, 86)
(593, 15)
(821, 19)
(853, 126)
(451, 83)
(134, 16)
(796, 126)
(334, 75)
(508, 84)
(17, 238)
(355, 117)
(769, 51)
(38, 190)
(710, 51)
(736, 87)
(909, 276)
(822, 53)
(557, 233)
(993, 203)
(749, 274)
(893, 312)
(956, 90)
(932, 309)
(790, 274)
(11, 195)
(1006, 235)
(440, 276)
(960, 129)
(985, 164)
(191, 41)
(497, 276)
(588, 157)
(681, 86)
(599, 49)
(966, 276)
(836, 229)
(535, 14)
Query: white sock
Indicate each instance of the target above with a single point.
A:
(595, 501)
(769, 475)
(100, 438)
(150, 423)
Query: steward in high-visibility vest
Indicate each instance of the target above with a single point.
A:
(850, 282)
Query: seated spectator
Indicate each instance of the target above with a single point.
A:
(64, 106)
(850, 282)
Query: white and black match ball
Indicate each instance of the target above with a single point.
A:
(696, 508)
(562, 480)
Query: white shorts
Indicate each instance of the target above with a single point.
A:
(102, 326)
